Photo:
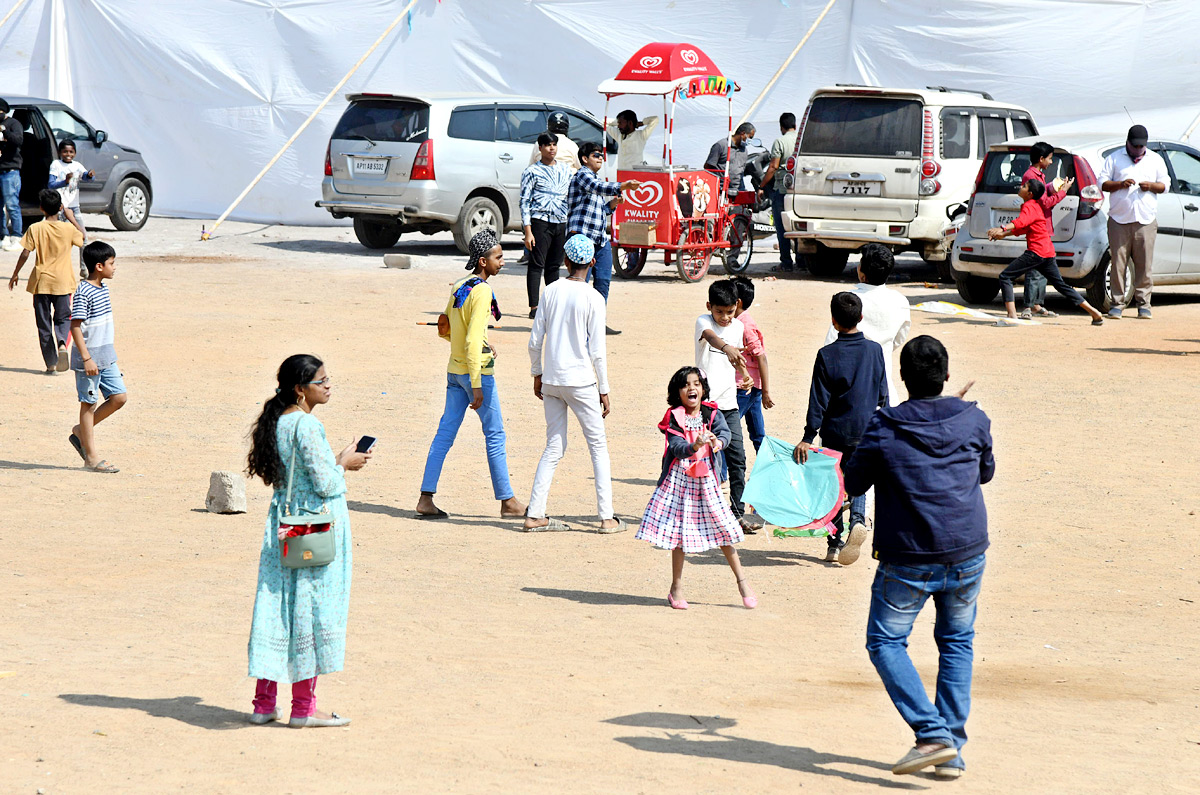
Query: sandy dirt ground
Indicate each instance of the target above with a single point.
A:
(486, 660)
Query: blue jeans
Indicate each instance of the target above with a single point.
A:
(785, 245)
(458, 399)
(600, 274)
(10, 187)
(750, 407)
(897, 596)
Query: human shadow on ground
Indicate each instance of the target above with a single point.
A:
(1146, 351)
(25, 370)
(599, 597)
(760, 557)
(185, 709)
(701, 736)
(29, 466)
(647, 482)
(453, 519)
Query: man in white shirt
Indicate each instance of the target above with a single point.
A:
(1133, 176)
(631, 136)
(568, 334)
(886, 318)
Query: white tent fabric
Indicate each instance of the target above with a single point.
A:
(210, 89)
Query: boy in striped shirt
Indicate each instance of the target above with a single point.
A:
(94, 357)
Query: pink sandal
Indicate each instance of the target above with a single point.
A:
(680, 605)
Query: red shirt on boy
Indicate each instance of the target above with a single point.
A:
(1033, 224)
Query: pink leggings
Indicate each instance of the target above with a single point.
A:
(304, 697)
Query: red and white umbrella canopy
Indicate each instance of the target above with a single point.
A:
(660, 68)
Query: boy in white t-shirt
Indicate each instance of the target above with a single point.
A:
(65, 175)
(719, 339)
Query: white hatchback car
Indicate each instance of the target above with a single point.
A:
(1080, 232)
(884, 165)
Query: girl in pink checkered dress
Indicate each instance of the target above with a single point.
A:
(687, 512)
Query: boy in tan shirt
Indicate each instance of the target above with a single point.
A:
(53, 279)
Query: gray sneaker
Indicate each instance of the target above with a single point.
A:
(831, 555)
(853, 546)
(1114, 314)
(1144, 313)
(914, 760)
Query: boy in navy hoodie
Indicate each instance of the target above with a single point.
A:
(927, 459)
(849, 382)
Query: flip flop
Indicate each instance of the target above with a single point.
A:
(439, 515)
(105, 467)
(620, 528)
(78, 445)
(551, 526)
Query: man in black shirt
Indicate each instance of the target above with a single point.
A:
(12, 135)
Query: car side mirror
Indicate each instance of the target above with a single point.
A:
(955, 210)
(100, 137)
(611, 145)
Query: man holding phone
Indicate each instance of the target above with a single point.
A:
(1133, 176)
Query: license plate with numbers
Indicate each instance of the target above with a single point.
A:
(856, 188)
(1005, 218)
(370, 166)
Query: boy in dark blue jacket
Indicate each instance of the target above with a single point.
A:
(927, 459)
(849, 382)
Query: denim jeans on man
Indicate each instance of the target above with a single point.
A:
(458, 399)
(600, 274)
(858, 505)
(897, 596)
(10, 188)
(785, 245)
(750, 408)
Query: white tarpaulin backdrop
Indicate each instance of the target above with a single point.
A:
(210, 89)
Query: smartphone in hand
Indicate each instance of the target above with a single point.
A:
(366, 444)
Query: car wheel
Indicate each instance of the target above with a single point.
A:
(1099, 290)
(828, 263)
(374, 234)
(976, 289)
(476, 215)
(131, 205)
(736, 258)
(629, 262)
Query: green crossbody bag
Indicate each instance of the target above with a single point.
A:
(308, 537)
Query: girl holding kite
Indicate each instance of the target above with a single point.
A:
(687, 512)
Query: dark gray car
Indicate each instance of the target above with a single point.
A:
(121, 188)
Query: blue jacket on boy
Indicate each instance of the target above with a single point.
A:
(927, 459)
(849, 382)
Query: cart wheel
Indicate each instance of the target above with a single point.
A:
(629, 262)
(693, 263)
(741, 246)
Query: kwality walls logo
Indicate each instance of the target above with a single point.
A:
(647, 195)
(689, 57)
(650, 62)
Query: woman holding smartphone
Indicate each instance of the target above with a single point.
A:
(299, 626)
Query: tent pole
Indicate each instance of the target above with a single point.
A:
(309, 120)
(1191, 127)
(11, 11)
(786, 64)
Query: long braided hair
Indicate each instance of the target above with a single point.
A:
(264, 460)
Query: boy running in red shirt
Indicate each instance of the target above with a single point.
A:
(1039, 252)
(1041, 156)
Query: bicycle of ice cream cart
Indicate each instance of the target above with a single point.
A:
(685, 213)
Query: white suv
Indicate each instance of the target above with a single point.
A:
(404, 163)
(885, 165)
(1080, 233)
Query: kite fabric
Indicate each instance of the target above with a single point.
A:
(800, 499)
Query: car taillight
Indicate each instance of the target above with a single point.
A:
(422, 167)
(1090, 196)
(328, 162)
(930, 168)
(789, 178)
(978, 183)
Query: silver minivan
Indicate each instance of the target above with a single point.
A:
(405, 163)
(1080, 233)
